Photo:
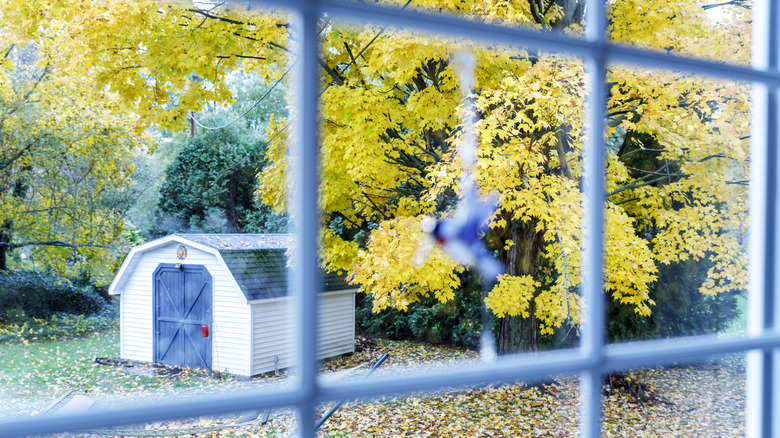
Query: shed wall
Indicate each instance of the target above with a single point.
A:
(230, 328)
(274, 330)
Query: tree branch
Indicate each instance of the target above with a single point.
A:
(56, 243)
(349, 52)
(562, 155)
(216, 17)
(376, 207)
(335, 75)
(740, 3)
(635, 185)
(536, 13)
(8, 52)
(7, 162)
(627, 200)
(241, 56)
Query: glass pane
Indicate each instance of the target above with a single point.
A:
(139, 197)
(718, 31)
(396, 188)
(677, 182)
(698, 399)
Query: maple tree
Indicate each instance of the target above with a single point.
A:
(676, 170)
(64, 164)
(676, 144)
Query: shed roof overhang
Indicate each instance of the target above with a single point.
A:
(135, 255)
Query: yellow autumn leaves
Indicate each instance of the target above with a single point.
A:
(677, 148)
(391, 250)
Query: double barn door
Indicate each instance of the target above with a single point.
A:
(182, 315)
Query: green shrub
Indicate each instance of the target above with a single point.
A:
(28, 294)
(680, 308)
(456, 322)
(59, 326)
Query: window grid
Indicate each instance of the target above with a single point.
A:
(593, 358)
(762, 400)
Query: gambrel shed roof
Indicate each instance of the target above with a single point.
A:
(257, 262)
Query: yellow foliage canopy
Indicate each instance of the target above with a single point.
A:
(676, 144)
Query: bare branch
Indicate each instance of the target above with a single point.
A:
(215, 17)
(241, 56)
(376, 207)
(56, 243)
(740, 3)
(536, 13)
(10, 48)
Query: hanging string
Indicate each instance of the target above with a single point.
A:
(278, 81)
(194, 119)
(464, 66)
(292, 119)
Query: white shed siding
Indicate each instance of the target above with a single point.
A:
(230, 326)
(273, 331)
(230, 329)
(272, 334)
(337, 324)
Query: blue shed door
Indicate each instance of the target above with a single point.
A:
(182, 308)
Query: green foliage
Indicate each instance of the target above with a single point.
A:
(27, 295)
(680, 309)
(455, 322)
(58, 326)
(209, 184)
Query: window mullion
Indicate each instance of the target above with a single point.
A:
(593, 222)
(771, 384)
(304, 157)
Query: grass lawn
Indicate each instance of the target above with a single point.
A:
(34, 374)
(703, 400)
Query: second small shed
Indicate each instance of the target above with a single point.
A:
(219, 301)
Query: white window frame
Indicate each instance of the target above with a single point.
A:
(593, 357)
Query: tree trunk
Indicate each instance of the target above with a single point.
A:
(5, 237)
(516, 333)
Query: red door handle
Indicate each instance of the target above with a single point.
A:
(204, 331)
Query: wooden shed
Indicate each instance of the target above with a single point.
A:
(219, 301)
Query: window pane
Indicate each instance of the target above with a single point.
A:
(704, 398)
(718, 31)
(154, 162)
(393, 167)
(173, 145)
(676, 225)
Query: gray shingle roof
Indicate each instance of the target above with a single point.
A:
(258, 262)
(241, 241)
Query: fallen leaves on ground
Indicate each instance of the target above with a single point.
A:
(701, 400)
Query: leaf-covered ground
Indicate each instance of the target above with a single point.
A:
(701, 400)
